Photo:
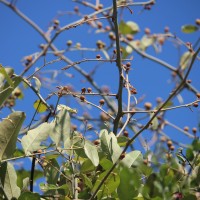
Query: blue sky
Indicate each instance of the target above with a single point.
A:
(18, 39)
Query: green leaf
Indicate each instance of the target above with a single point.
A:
(91, 152)
(47, 187)
(29, 195)
(61, 132)
(190, 154)
(37, 84)
(71, 110)
(124, 28)
(189, 28)
(109, 185)
(132, 45)
(145, 42)
(3, 71)
(122, 140)
(132, 158)
(185, 60)
(9, 129)
(8, 178)
(40, 106)
(51, 171)
(105, 163)
(87, 166)
(154, 122)
(134, 27)
(9, 72)
(7, 89)
(109, 145)
(130, 184)
(87, 181)
(32, 141)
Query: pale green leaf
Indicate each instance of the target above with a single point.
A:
(86, 180)
(132, 158)
(154, 122)
(3, 71)
(7, 89)
(189, 28)
(124, 28)
(109, 145)
(37, 83)
(32, 141)
(91, 152)
(185, 60)
(145, 42)
(40, 106)
(46, 187)
(8, 178)
(9, 129)
(87, 166)
(61, 107)
(134, 27)
(62, 129)
(132, 45)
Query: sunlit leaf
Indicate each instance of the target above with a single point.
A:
(8, 178)
(91, 151)
(105, 163)
(109, 145)
(9, 129)
(145, 42)
(3, 71)
(124, 28)
(189, 154)
(62, 129)
(6, 90)
(154, 122)
(185, 60)
(132, 158)
(134, 27)
(122, 140)
(9, 72)
(189, 28)
(61, 106)
(32, 141)
(135, 44)
(40, 106)
(47, 187)
(37, 83)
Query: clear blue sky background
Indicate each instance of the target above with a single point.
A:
(18, 39)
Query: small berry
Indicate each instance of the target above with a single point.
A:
(169, 143)
(112, 36)
(194, 130)
(107, 28)
(78, 189)
(186, 128)
(198, 95)
(101, 102)
(83, 90)
(98, 56)
(172, 148)
(195, 104)
(99, 25)
(133, 91)
(147, 31)
(129, 37)
(168, 155)
(128, 64)
(29, 58)
(166, 30)
(56, 22)
(76, 9)
(96, 142)
(82, 98)
(145, 161)
(161, 40)
(69, 43)
(100, 6)
(125, 133)
(122, 156)
(163, 139)
(104, 116)
(74, 127)
(89, 90)
(159, 100)
(197, 22)
(85, 17)
(148, 105)
(39, 151)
